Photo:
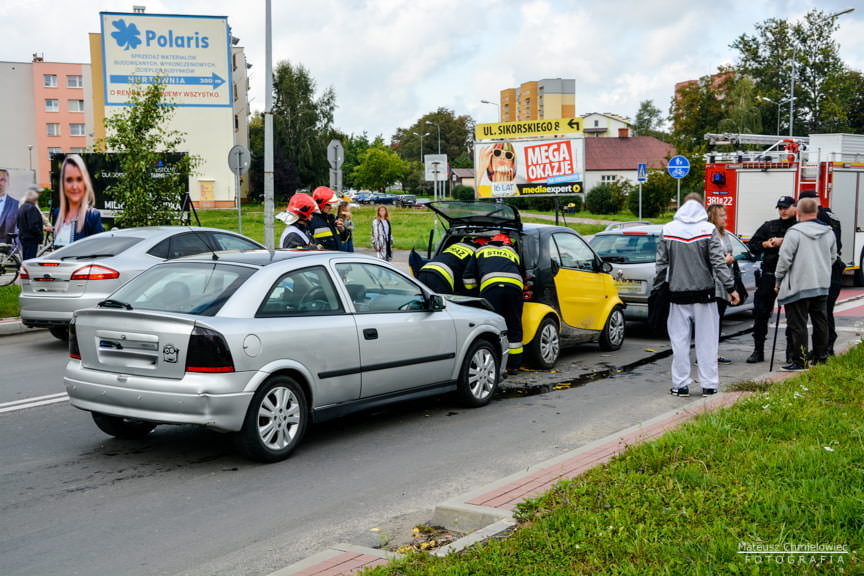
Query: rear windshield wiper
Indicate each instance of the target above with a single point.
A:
(109, 303)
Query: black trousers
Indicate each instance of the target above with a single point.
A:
(833, 294)
(721, 311)
(763, 308)
(797, 314)
(507, 301)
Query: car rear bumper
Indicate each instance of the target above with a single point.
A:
(42, 311)
(191, 400)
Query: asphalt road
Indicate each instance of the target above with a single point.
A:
(181, 502)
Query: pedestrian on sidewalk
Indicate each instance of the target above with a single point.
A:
(382, 234)
(717, 216)
(766, 243)
(689, 255)
(803, 279)
(31, 227)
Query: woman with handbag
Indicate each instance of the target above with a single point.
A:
(717, 216)
(382, 235)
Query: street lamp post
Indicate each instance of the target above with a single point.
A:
(498, 106)
(795, 59)
(30, 152)
(438, 126)
(421, 143)
(779, 105)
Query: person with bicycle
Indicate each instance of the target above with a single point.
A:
(31, 226)
(8, 210)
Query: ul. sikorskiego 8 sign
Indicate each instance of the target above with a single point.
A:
(506, 168)
(191, 54)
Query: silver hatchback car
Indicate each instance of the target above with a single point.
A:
(631, 248)
(87, 271)
(263, 343)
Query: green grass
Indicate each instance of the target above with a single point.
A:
(783, 467)
(9, 301)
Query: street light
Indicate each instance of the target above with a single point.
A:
(439, 153)
(30, 152)
(421, 143)
(795, 58)
(498, 106)
(779, 105)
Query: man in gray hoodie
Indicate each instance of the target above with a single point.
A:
(689, 257)
(803, 278)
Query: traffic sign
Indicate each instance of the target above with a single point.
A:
(506, 130)
(642, 172)
(678, 167)
(239, 159)
(335, 154)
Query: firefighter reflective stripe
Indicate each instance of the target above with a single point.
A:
(516, 348)
(500, 277)
(323, 232)
(441, 269)
(469, 283)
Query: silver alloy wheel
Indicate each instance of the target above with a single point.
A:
(616, 327)
(550, 345)
(278, 418)
(482, 373)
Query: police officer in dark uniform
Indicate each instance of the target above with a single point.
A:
(827, 217)
(445, 274)
(766, 243)
(496, 267)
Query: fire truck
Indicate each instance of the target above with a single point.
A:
(749, 183)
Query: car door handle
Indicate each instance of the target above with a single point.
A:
(370, 334)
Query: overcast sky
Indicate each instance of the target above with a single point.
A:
(391, 61)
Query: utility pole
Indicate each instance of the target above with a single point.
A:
(269, 240)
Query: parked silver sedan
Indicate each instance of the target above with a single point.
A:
(263, 343)
(87, 271)
(631, 248)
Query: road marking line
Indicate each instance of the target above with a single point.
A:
(33, 402)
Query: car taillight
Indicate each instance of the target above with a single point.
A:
(208, 352)
(95, 272)
(24, 274)
(528, 287)
(74, 351)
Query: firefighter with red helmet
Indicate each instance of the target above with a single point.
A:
(327, 231)
(496, 268)
(445, 274)
(297, 216)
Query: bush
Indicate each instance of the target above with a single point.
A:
(656, 194)
(606, 198)
(463, 193)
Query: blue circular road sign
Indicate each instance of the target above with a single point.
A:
(678, 167)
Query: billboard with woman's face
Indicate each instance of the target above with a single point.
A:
(529, 167)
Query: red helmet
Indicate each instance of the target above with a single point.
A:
(302, 205)
(324, 195)
(481, 240)
(503, 238)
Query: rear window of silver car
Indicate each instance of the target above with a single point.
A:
(626, 248)
(96, 247)
(190, 288)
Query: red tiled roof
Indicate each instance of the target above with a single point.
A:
(626, 153)
(463, 172)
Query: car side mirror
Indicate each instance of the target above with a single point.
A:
(606, 267)
(436, 302)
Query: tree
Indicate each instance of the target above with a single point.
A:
(457, 135)
(286, 180)
(648, 120)
(697, 110)
(742, 114)
(302, 124)
(379, 167)
(139, 134)
(657, 192)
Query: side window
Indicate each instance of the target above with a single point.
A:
(376, 288)
(739, 250)
(574, 252)
(231, 242)
(187, 245)
(160, 250)
(306, 292)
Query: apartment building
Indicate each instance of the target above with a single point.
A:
(538, 100)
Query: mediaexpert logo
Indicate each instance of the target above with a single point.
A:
(126, 36)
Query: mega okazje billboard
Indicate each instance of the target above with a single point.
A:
(191, 54)
(551, 167)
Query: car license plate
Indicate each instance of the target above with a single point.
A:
(630, 286)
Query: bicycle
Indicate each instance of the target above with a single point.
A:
(10, 260)
(47, 245)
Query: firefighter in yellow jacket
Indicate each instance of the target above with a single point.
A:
(496, 268)
(446, 273)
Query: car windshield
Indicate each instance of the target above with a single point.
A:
(626, 248)
(188, 287)
(96, 246)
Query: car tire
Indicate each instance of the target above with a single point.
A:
(545, 349)
(478, 378)
(612, 336)
(60, 332)
(276, 420)
(125, 428)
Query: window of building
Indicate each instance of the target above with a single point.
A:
(49, 80)
(608, 179)
(78, 150)
(53, 129)
(74, 81)
(52, 105)
(76, 130)
(53, 151)
(76, 106)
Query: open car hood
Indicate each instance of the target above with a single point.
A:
(477, 214)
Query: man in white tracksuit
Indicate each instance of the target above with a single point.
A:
(689, 256)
